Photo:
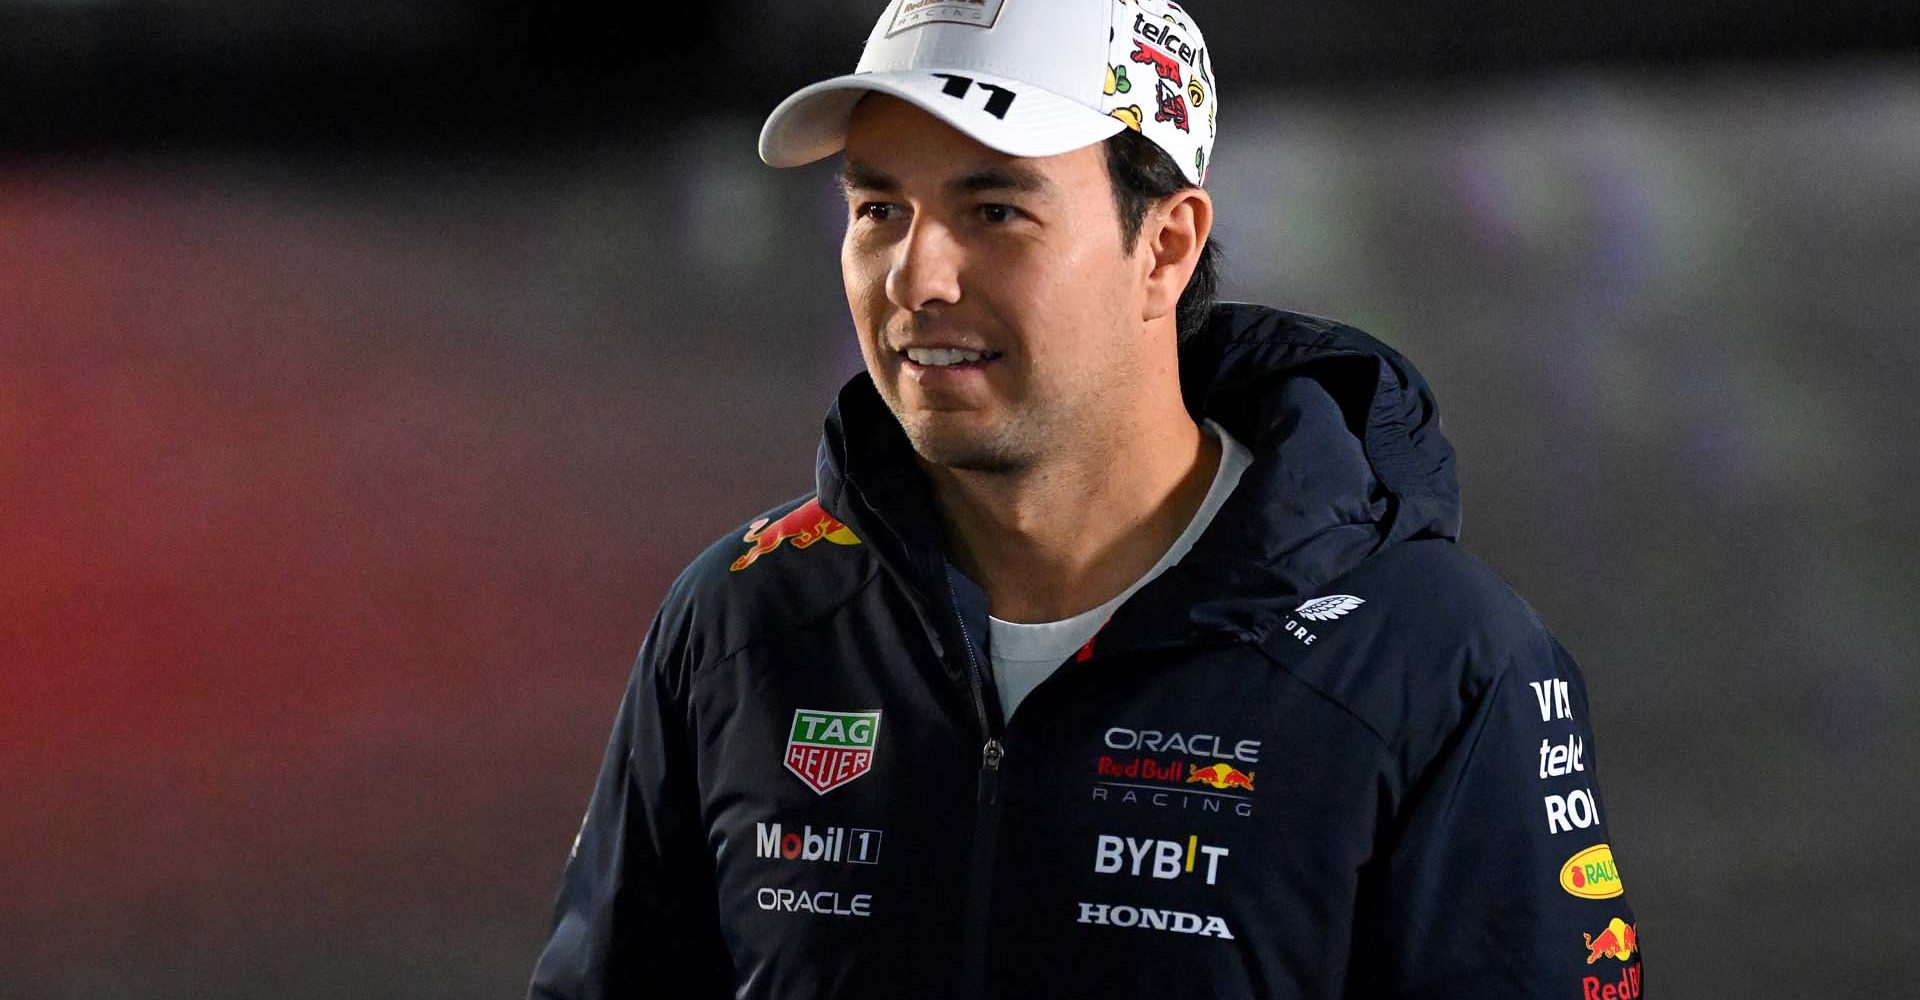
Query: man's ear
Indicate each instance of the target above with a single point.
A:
(1174, 233)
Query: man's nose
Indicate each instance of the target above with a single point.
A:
(926, 267)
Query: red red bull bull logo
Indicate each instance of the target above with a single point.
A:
(1221, 776)
(1619, 941)
(805, 525)
(1591, 874)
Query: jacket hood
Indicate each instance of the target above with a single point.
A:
(1348, 459)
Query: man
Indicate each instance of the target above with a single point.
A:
(1124, 650)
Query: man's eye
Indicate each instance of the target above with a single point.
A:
(998, 213)
(876, 211)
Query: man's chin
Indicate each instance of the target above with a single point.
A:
(963, 448)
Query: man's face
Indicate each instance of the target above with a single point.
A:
(952, 246)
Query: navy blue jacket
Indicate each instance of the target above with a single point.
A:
(1327, 754)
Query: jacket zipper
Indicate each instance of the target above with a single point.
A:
(993, 751)
(990, 756)
(986, 823)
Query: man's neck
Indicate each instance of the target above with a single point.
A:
(1053, 541)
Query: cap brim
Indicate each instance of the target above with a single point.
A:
(812, 124)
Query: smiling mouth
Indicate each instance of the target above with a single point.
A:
(947, 357)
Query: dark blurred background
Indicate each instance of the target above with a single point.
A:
(368, 369)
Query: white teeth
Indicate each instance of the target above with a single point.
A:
(942, 356)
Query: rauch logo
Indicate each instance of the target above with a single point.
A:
(1591, 874)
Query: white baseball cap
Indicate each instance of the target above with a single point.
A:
(1025, 77)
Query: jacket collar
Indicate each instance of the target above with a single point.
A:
(1348, 459)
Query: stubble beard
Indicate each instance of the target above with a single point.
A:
(1009, 446)
(1023, 439)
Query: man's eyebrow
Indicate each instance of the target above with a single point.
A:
(1000, 178)
(856, 176)
(860, 177)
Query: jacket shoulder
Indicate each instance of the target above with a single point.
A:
(785, 568)
(1429, 631)
(1440, 596)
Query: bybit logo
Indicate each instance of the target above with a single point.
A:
(1161, 859)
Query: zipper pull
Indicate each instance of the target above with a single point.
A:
(990, 757)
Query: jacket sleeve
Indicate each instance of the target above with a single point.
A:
(1501, 879)
(637, 913)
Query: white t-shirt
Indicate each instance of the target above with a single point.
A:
(1024, 654)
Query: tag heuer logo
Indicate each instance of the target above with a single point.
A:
(829, 749)
(1326, 609)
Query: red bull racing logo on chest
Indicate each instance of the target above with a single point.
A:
(828, 749)
(1220, 785)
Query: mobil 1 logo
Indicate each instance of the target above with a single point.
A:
(849, 844)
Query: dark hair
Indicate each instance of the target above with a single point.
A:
(1142, 174)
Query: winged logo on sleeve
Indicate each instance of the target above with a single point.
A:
(1326, 609)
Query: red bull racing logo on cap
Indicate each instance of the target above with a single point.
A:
(828, 749)
(807, 524)
(914, 13)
